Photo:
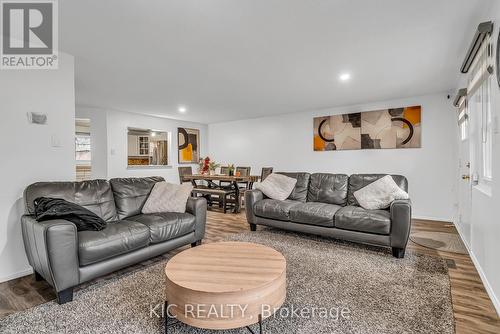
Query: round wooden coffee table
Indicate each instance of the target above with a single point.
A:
(225, 285)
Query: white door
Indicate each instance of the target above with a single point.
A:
(464, 182)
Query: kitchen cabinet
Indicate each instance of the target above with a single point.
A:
(138, 145)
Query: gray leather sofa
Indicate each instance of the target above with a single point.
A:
(324, 204)
(65, 258)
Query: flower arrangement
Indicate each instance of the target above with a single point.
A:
(207, 166)
(212, 166)
(204, 165)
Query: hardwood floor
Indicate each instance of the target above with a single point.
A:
(473, 310)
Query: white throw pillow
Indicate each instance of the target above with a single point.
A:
(168, 197)
(380, 194)
(277, 186)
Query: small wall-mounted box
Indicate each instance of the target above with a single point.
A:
(36, 118)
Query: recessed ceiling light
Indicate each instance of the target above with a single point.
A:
(182, 109)
(344, 76)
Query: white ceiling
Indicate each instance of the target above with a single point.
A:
(235, 59)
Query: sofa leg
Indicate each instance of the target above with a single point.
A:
(398, 252)
(38, 277)
(196, 243)
(65, 296)
(253, 227)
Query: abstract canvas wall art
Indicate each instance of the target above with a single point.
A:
(389, 128)
(189, 145)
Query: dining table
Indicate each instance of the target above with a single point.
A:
(233, 181)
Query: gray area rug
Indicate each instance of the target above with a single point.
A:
(378, 293)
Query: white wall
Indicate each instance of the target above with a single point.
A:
(27, 149)
(98, 139)
(117, 124)
(286, 143)
(484, 244)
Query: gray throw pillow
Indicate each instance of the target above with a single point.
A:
(277, 186)
(168, 197)
(380, 194)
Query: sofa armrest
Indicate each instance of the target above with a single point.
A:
(52, 250)
(252, 197)
(400, 222)
(197, 206)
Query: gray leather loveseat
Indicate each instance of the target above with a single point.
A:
(324, 204)
(66, 258)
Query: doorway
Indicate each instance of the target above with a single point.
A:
(83, 145)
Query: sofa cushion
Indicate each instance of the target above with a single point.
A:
(314, 213)
(355, 218)
(94, 195)
(167, 225)
(119, 237)
(328, 188)
(131, 194)
(274, 209)
(358, 181)
(299, 193)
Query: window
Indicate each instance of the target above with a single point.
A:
(479, 111)
(83, 155)
(463, 121)
(486, 129)
(82, 148)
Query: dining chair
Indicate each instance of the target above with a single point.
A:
(244, 171)
(224, 170)
(266, 171)
(243, 186)
(183, 171)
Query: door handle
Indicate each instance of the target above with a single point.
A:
(465, 177)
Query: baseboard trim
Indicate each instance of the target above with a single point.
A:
(439, 219)
(489, 290)
(25, 272)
